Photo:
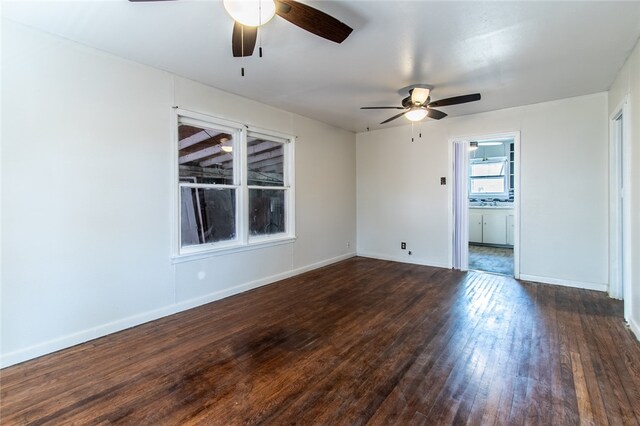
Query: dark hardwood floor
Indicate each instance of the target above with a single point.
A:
(361, 341)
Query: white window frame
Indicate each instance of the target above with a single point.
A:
(504, 176)
(243, 240)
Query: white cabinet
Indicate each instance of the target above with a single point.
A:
(510, 229)
(491, 226)
(475, 227)
(494, 229)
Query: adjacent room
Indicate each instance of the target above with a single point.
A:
(491, 198)
(320, 212)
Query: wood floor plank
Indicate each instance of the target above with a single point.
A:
(362, 341)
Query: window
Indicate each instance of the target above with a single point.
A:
(489, 178)
(234, 185)
(266, 180)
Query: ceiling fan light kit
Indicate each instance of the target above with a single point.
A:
(252, 13)
(416, 114)
(419, 95)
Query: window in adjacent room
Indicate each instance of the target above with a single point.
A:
(234, 185)
(489, 178)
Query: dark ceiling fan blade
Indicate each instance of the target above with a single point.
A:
(313, 20)
(382, 107)
(393, 118)
(243, 40)
(435, 114)
(455, 100)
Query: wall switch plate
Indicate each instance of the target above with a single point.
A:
(403, 246)
(443, 181)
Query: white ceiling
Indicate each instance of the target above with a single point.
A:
(513, 53)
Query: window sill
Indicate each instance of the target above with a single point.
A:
(221, 251)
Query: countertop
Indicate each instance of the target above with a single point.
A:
(498, 207)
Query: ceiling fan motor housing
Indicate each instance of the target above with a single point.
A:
(407, 103)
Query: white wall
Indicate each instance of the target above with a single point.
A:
(87, 189)
(627, 83)
(564, 189)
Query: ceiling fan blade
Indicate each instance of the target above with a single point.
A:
(455, 100)
(435, 114)
(382, 107)
(313, 20)
(243, 40)
(393, 118)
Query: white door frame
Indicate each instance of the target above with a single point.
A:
(516, 200)
(620, 207)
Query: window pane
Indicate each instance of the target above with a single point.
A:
(205, 155)
(487, 169)
(208, 215)
(265, 162)
(487, 185)
(266, 211)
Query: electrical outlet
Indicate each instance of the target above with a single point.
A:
(403, 246)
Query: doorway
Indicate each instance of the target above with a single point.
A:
(485, 203)
(619, 208)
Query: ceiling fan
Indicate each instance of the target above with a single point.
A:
(251, 14)
(418, 105)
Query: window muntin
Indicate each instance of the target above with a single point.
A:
(489, 178)
(234, 185)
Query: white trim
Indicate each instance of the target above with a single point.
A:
(206, 185)
(230, 249)
(616, 289)
(69, 340)
(200, 119)
(273, 188)
(565, 283)
(413, 260)
(285, 138)
(635, 328)
(290, 183)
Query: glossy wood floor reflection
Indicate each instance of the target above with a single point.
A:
(361, 341)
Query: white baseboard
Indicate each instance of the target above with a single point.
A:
(565, 283)
(412, 260)
(635, 328)
(221, 294)
(69, 340)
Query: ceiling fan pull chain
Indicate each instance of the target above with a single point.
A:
(242, 49)
(412, 131)
(259, 32)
